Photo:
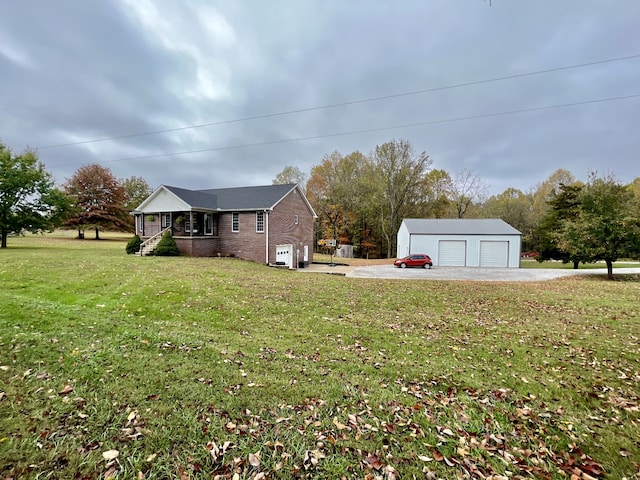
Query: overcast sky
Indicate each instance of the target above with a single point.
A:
(83, 70)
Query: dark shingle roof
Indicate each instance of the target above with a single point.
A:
(240, 198)
(456, 226)
(250, 198)
(195, 198)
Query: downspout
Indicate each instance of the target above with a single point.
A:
(266, 236)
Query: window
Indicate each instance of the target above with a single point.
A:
(235, 222)
(166, 220)
(188, 228)
(295, 219)
(208, 224)
(260, 222)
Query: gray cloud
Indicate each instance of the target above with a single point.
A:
(77, 70)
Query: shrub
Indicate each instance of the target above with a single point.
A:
(133, 245)
(167, 246)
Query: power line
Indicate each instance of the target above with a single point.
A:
(343, 104)
(379, 129)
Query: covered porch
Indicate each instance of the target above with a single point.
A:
(195, 232)
(183, 224)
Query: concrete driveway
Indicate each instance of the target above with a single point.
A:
(461, 273)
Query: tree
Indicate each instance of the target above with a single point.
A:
(291, 174)
(634, 186)
(437, 193)
(399, 177)
(514, 207)
(564, 205)
(541, 197)
(467, 188)
(29, 200)
(335, 191)
(545, 191)
(99, 200)
(136, 191)
(604, 227)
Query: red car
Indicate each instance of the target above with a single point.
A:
(415, 260)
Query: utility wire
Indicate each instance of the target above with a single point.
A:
(379, 129)
(343, 104)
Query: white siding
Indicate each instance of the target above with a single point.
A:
(404, 241)
(165, 201)
(410, 242)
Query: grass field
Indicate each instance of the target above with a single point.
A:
(115, 366)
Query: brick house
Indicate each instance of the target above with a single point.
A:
(271, 224)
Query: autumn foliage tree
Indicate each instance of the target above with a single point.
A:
(99, 200)
(400, 172)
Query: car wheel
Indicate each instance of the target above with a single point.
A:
(426, 265)
(403, 265)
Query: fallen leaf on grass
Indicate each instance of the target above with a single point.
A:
(111, 472)
(374, 461)
(110, 455)
(66, 390)
(339, 426)
(254, 459)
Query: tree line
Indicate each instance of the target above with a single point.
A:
(360, 200)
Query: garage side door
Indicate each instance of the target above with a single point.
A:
(494, 254)
(452, 253)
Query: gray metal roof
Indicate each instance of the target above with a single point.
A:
(459, 226)
(240, 198)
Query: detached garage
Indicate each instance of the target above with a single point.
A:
(488, 242)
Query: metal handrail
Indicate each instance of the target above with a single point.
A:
(153, 238)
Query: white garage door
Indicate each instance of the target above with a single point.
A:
(452, 253)
(494, 254)
(284, 255)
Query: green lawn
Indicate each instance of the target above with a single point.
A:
(530, 263)
(192, 368)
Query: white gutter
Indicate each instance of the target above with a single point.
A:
(266, 236)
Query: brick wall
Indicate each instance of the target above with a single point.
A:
(197, 246)
(280, 225)
(283, 229)
(246, 243)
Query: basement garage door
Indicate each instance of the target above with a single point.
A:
(284, 255)
(452, 253)
(494, 254)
